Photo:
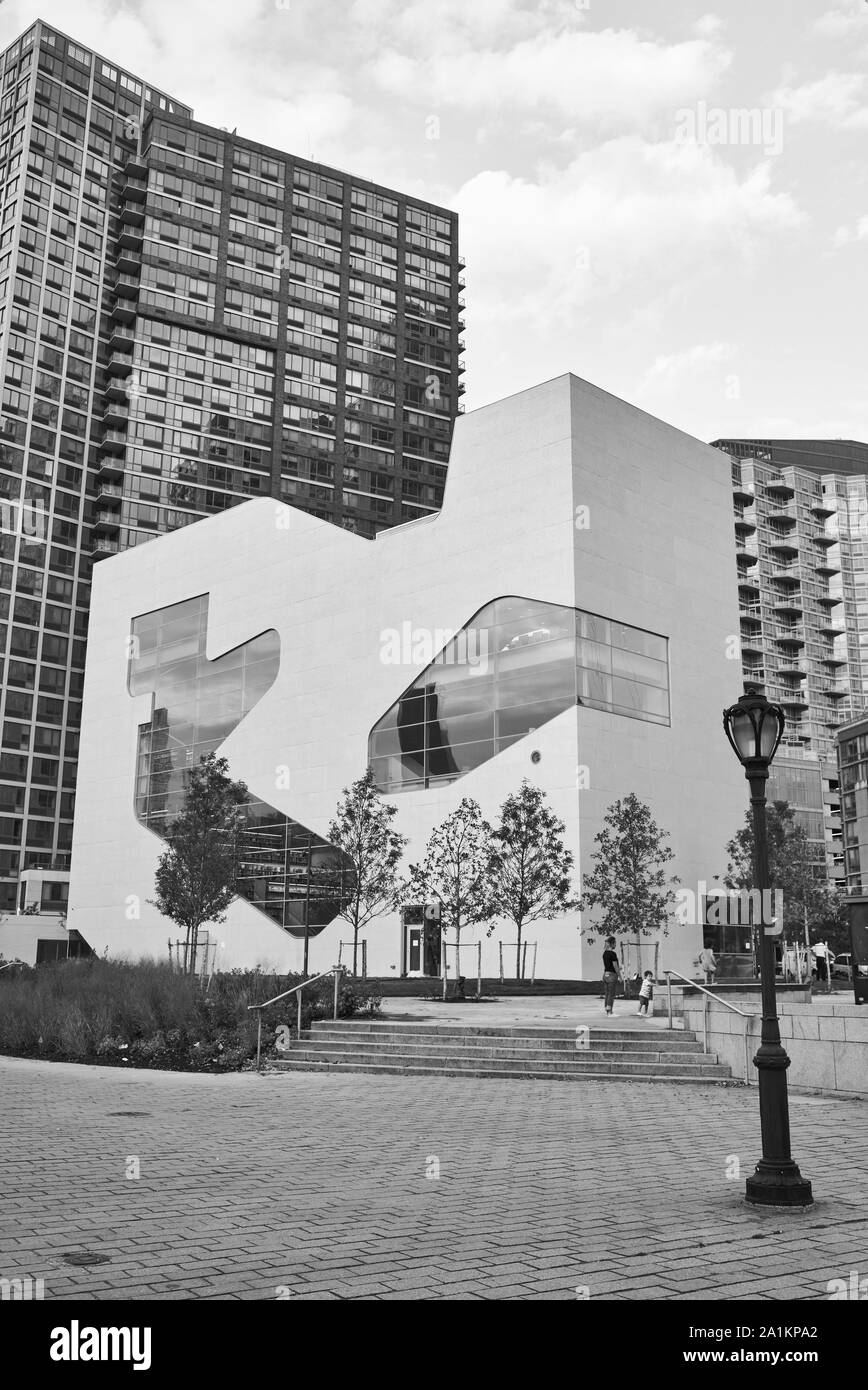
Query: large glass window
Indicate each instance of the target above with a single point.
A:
(284, 870)
(517, 664)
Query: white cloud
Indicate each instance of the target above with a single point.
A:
(809, 426)
(851, 17)
(708, 26)
(838, 100)
(454, 26)
(608, 79)
(545, 257)
(845, 235)
(674, 370)
(261, 71)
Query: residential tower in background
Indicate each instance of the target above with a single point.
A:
(188, 319)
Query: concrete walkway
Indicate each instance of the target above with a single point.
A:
(555, 1011)
(309, 1186)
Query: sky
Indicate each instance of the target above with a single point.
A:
(668, 200)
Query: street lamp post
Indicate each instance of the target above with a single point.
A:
(307, 901)
(754, 728)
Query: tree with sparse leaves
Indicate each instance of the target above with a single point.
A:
(457, 872)
(195, 878)
(628, 884)
(812, 908)
(531, 866)
(362, 830)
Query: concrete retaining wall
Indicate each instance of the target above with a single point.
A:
(827, 1041)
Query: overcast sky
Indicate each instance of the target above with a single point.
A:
(619, 220)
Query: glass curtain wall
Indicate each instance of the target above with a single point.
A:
(284, 869)
(514, 666)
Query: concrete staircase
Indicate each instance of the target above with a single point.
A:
(644, 1053)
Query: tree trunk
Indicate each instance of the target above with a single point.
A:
(518, 955)
(809, 977)
(194, 942)
(355, 950)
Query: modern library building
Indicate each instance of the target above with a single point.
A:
(570, 616)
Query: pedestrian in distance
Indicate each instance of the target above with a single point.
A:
(821, 955)
(707, 964)
(611, 974)
(646, 993)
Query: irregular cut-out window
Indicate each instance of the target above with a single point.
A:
(514, 666)
(286, 870)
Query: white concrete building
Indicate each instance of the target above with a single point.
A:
(559, 499)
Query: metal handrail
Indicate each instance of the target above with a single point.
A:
(726, 1004)
(336, 970)
(694, 984)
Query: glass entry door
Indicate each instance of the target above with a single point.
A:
(414, 950)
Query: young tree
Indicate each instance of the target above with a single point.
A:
(362, 830)
(797, 866)
(786, 840)
(531, 864)
(628, 883)
(457, 872)
(195, 878)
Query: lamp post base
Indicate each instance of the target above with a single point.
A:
(778, 1185)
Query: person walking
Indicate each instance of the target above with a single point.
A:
(611, 974)
(821, 955)
(707, 964)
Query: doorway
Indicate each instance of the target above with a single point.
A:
(422, 940)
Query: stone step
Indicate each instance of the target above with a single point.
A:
(499, 1047)
(661, 1037)
(654, 1042)
(577, 1064)
(507, 1074)
(398, 1047)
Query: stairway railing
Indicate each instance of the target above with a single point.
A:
(337, 970)
(694, 984)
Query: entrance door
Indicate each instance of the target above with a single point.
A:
(414, 950)
(421, 940)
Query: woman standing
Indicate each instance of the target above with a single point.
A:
(611, 974)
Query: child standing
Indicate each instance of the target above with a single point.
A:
(646, 992)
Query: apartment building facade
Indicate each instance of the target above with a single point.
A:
(188, 319)
(853, 772)
(802, 556)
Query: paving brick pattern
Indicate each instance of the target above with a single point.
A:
(314, 1186)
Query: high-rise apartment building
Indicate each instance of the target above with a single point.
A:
(848, 456)
(853, 773)
(801, 524)
(187, 319)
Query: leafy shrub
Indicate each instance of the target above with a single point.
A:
(357, 998)
(143, 1014)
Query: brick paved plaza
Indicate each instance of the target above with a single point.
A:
(317, 1184)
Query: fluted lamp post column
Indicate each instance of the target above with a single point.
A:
(754, 729)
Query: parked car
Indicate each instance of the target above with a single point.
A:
(842, 966)
(794, 963)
